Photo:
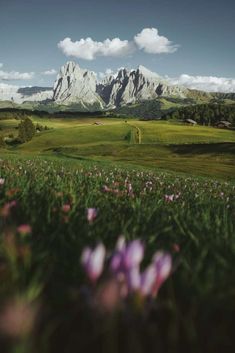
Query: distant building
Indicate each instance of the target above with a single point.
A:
(190, 122)
(223, 124)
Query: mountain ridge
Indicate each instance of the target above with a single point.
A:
(77, 86)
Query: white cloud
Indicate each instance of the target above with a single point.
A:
(89, 49)
(205, 83)
(151, 42)
(15, 75)
(108, 72)
(49, 72)
(148, 40)
(1, 65)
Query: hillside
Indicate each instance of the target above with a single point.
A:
(171, 146)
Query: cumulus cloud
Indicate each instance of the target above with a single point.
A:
(108, 72)
(205, 83)
(148, 40)
(15, 75)
(89, 49)
(49, 72)
(151, 42)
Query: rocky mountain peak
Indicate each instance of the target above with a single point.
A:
(76, 85)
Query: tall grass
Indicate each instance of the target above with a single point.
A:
(44, 228)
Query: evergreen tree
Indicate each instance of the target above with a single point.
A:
(26, 130)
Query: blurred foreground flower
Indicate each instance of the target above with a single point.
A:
(24, 229)
(66, 208)
(93, 261)
(17, 318)
(6, 209)
(123, 270)
(2, 181)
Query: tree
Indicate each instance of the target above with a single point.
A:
(26, 130)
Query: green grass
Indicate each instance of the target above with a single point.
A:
(44, 267)
(201, 150)
(71, 164)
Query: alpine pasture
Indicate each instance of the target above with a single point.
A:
(82, 187)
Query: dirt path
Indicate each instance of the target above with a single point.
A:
(136, 134)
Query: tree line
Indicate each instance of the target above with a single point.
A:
(204, 114)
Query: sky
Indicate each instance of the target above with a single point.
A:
(190, 41)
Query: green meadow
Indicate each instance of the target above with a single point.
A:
(198, 150)
(169, 185)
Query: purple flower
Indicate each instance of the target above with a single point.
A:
(126, 256)
(148, 280)
(93, 261)
(91, 214)
(133, 279)
(163, 265)
(134, 254)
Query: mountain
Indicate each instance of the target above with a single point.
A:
(129, 87)
(79, 89)
(76, 85)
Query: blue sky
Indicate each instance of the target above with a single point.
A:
(30, 31)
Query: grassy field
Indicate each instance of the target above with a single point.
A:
(192, 218)
(79, 184)
(171, 146)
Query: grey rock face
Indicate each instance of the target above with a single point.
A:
(74, 85)
(135, 86)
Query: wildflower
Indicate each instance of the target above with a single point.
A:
(134, 254)
(2, 181)
(148, 279)
(6, 209)
(169, 198)
(133, 279)
(66, 208)
(163, 264)
(24, 229)
(93, 261)
(17, 318)
(91, 214)
(126, 257)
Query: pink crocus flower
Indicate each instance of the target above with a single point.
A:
(133, 279)
(134, 254)
(127, 256)
(163, 263)
(93, 262)
(91, 214)
(148, 279)
(24, 229)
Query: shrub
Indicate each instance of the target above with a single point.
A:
(26, 130)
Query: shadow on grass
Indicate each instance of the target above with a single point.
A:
(205, 148)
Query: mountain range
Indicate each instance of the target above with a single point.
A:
(79, 87)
